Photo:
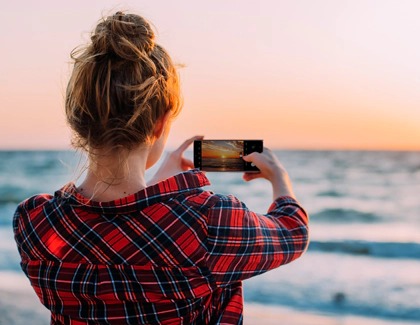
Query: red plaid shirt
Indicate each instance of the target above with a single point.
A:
(169, 254)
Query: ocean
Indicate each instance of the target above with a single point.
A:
(222, 164)
(364, 207)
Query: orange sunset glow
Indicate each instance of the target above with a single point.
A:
(221, 149)
(299, 74)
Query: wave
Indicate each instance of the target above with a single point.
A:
(15, 200)
(6, 217)
(331, 193)
(338, 215)
(12, 194)
(10, 197)
(6, 222)
(9, 261)
(375, 249)
(335, 301)
(343, 285)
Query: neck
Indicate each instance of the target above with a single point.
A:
(111, 176)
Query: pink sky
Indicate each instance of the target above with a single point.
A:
(299, 74)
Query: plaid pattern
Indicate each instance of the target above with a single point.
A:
(169, 254)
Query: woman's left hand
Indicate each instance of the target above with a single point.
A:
(175, 162)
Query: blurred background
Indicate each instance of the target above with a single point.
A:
(331, 86)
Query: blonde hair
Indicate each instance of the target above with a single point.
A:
(122, 82)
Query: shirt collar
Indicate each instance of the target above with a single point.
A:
(185, 182)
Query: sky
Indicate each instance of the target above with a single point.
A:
(300, 74)
(222, 149)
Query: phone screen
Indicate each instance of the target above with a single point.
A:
(225, 155)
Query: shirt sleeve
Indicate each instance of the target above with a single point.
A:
(243, 243)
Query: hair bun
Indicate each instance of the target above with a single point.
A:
(126, 36)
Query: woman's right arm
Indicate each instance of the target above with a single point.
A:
(174, 162)
(272, 170)
(243, 243)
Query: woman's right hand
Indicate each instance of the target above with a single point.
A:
(175, 162)
(272, 170)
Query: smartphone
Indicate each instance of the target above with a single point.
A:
(225, 155)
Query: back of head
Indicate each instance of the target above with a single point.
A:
(122, 83)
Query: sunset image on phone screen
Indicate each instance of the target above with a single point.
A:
(225, 155)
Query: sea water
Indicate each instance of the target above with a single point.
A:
(364, 207)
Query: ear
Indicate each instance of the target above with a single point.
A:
(161, 124)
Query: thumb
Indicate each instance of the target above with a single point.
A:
(249, 157)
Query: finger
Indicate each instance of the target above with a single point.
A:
(250, 176)
(251, 157)
(188, 142)
(187, 164)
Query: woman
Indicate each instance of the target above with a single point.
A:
(116, 250)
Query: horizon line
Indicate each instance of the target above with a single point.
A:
(169, 148)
